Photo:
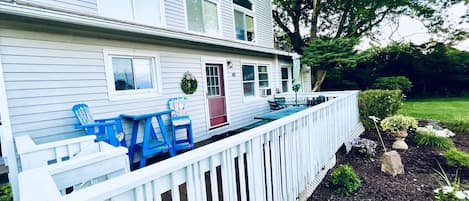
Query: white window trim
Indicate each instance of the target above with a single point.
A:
(245, 12)
(256, 80)
(136, 94)
(220, 28)
(162, 15)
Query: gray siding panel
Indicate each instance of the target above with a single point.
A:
(175, 16)
(84, 6)
(265, 35)
(45, 75)
(227, 20)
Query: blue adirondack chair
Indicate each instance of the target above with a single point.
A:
(108, 130)
(180, 120)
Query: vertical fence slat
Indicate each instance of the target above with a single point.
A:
(242, 179)
(213, 179)
(267, 168)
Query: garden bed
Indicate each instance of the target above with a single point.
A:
(417, 183)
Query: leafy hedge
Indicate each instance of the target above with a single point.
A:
(378, 103)
(393, 83)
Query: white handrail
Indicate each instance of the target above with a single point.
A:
(280, 158)
(34, 155)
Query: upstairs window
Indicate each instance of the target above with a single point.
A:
(244, 20)
(243, 3)
(148, 12)
(202, 16)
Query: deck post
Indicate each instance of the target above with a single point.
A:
(6, 135)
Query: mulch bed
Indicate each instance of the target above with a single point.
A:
(417, 183)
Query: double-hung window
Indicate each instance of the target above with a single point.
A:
(285, 79)
(202, 16)
(132, 75)
(255, 78)
(249, 80)
(148, 12)
(244, 20)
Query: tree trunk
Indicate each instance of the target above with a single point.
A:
(314, 19)
(319, 79)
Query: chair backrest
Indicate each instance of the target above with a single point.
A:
(280, 100)
(178, 104)
(83, 114)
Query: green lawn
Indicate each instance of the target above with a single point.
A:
(442, 109)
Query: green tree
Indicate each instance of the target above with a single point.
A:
(356, 18)
(327, 54)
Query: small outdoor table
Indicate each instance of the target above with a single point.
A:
(280, 113)
(150, 144)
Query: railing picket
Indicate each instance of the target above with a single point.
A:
(224, 173)
(267, 168)
(283, 162)
(174, 189)
(213, 179)
(190, 184)
(242, 179)
(139, 194)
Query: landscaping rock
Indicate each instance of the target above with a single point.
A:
(437, 130)
(391, 163)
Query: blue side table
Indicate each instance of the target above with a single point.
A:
(151, 144)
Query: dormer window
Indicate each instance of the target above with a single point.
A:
(202, 16)
(244, 20)
(147, 12)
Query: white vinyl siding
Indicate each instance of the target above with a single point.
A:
(147, 12)
(83, 6)
(46, 74)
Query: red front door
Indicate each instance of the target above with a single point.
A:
(216, 94)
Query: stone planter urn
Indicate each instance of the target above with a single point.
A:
(400, 140)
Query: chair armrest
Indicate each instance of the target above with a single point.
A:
(95, 125)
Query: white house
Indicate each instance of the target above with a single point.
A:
(56, 53)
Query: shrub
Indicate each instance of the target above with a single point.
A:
(5, 192)
(393, 83)
(397, 123)
(378, 103)
(457, 158)
(430, 139)
(345, 180)
(458, 126)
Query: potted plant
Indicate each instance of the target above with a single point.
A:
(296, 88)
(398, 126)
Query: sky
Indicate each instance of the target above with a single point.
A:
(412, 30)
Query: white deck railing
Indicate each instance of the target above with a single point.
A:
(276, 161)
(34, 155)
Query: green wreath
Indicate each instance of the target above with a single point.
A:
(188, 83)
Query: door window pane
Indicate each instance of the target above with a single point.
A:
(194, 15)
(123, 75)
(248, 72)
(210, 17)
(142, 73)
(249, 28)
(239, 25)
(147, 12)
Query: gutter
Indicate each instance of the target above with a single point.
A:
(97, 22)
